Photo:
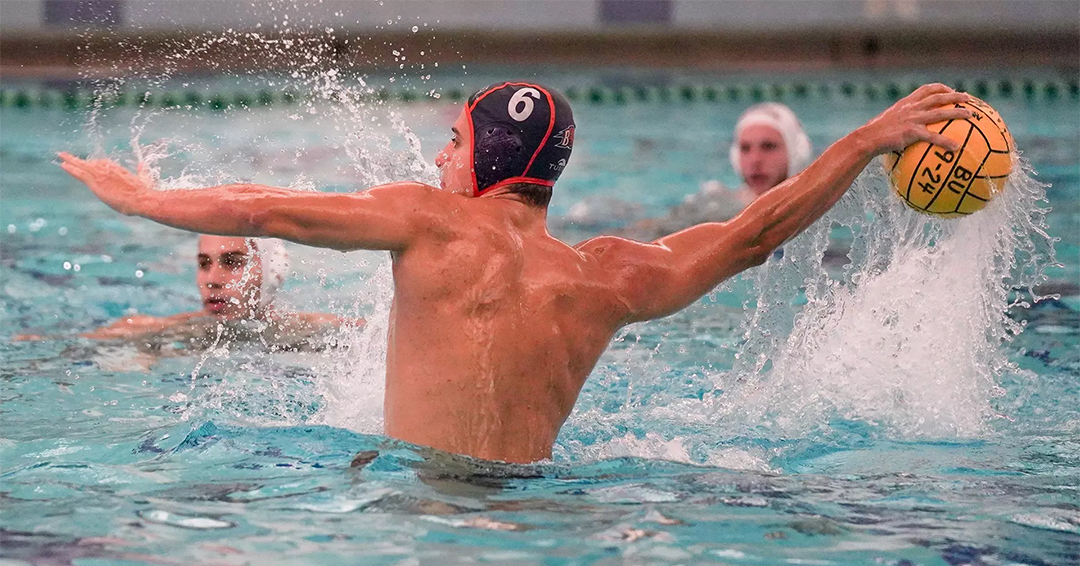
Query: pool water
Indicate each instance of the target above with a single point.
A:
(877, 409)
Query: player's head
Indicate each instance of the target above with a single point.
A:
(770, 146)
(515, 135)
(239, 277)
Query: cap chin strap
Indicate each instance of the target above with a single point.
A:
(511, 181)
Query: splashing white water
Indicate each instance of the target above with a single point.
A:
(910, 337)
(363, 140)
(352, 380)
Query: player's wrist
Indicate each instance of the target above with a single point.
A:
(865, 144)
(142, 203)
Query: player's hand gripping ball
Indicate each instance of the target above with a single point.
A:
(937, 181)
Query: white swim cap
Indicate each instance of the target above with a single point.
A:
(783, 120)
(274, 259)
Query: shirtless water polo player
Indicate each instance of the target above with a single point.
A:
(496, 324)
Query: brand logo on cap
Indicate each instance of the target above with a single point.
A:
(566, 138)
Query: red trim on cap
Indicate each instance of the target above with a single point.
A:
(472, 152)
(551, 126)
(472, 137)
(530, 180)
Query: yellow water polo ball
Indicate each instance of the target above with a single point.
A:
(937, 181)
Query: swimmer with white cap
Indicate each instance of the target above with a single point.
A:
(770, 146)
(238, 280)
(495, 323)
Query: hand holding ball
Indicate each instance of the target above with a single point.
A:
(937, 181)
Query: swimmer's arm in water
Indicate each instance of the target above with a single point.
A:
(658, 279)
(126, 327)
(387, 217)
(320, 321)
(139, 325)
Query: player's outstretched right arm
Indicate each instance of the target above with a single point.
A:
(386, 217)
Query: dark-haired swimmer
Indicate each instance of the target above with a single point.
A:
(495, 324)
(238, 281)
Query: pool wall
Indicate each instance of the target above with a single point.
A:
(53, 37)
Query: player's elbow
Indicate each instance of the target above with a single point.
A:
(760, 252)
(271, 221)
(756, 256)
(758, 246)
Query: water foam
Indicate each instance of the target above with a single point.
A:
(364, 141)
(910, 336)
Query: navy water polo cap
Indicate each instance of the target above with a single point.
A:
(522, 133)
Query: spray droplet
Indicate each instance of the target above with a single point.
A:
(139, 273)
(67, 265)
(415, 29)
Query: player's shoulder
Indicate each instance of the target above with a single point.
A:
(607, 246)
(407, 189)
(614, 251)
(419, 198)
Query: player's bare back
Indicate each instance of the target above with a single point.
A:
(495, 326)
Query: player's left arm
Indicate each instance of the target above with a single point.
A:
(139, 325)
(317, 320)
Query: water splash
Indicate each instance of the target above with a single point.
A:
(906, 338)
(352, 380)
(365, 140)
(910, 335)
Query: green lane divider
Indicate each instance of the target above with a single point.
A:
(74, 99)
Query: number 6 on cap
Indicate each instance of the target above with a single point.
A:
(518, 99)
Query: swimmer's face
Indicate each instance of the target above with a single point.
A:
(229, 277)
(763, 157)
(455, 160)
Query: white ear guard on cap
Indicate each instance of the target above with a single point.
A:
(274, 259)
(783, 120)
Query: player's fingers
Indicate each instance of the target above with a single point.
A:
(928, 89)
(71, 164)
(940, 140)
(71, 160)
(943, 113)
(76, 171)
(942, 99)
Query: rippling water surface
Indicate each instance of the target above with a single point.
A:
(879, 407)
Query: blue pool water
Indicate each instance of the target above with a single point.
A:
(876, 409)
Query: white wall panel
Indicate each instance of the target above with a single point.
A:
(21, 14)
(548, 15)
(865, 15)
